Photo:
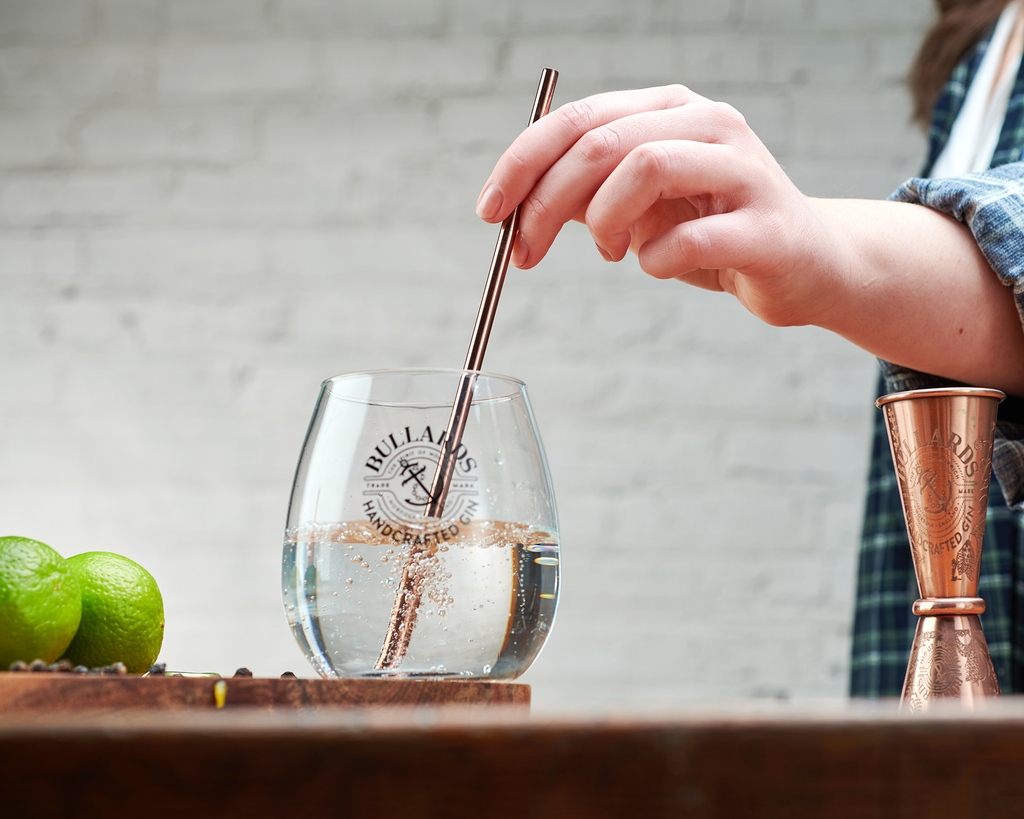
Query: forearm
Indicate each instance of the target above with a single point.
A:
(685, 183)
(913, 288)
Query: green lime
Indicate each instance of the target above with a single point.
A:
(40, 602)
(122, 613)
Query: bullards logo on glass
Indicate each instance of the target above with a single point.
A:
(398, 475)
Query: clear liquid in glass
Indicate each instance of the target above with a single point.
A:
(487, 598)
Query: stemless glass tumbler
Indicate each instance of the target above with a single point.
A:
(372, 585)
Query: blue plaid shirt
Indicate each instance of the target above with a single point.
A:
(992, 205)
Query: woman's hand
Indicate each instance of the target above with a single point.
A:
(686, 185)
(682, 182)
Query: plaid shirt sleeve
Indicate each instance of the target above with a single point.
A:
(991, 204)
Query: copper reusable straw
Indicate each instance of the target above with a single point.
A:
(403, 616)
(482, 329)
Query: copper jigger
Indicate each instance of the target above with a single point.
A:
(941, 441)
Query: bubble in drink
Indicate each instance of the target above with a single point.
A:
(486, 603)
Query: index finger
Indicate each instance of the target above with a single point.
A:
(541, 145)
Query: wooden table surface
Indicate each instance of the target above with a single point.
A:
(838, 760)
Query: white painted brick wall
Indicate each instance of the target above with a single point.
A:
(208, 206)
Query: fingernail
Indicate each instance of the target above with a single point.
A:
(520, 251)
(604, 253)
(489, 204)
(622, 240)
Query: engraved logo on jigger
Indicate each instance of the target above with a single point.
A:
(972, 646)
(944, 662)
(937, 483)
(942, 669)
(939, 486)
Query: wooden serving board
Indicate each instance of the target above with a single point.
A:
(27, 692)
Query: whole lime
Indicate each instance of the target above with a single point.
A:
(122, 613)
(40, 602)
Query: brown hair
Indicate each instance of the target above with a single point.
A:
(960, 25)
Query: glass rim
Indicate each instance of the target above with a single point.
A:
(516, 386)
